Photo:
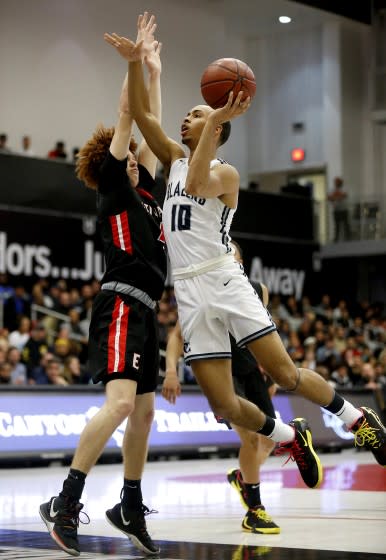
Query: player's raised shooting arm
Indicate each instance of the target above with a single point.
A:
(163, 147)
(223, 179)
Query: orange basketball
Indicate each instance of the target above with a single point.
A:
(223, 76)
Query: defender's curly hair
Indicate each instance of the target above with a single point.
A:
(90, 158)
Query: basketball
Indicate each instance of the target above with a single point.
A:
(223, 76)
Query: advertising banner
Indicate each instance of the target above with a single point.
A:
(48, 245)
(48, 423)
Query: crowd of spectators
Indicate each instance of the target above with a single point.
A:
(58, 152)
(343, 343)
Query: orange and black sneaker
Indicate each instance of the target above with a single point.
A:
(370, 433)
(301, 451)
(259, 521)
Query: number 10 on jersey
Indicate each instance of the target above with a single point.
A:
(181, 214)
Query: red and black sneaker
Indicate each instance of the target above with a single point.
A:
(301, 451)
(235, 479)
(61, 516)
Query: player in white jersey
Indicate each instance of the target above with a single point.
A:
(213, 295)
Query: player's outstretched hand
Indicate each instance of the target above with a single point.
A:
(129, 50)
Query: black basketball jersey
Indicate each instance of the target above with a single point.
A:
(130, 226)
(243, 361)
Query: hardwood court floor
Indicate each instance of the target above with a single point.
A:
(200, 514)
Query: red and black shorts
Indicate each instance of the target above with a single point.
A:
(123, 341)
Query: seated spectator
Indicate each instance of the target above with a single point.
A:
(35, 347)
(327, 354)
(63, 303)
(26, 149)
(49, 371)
(3, 355)
(5, 373)
(64, 347)
(3, 144)
(19, 337)
(18, 369)
(4, 343)
(37, 375)
(370, 377)
(75, 152)
(6, 290)
(40, 294)
(16, 306)
(58, 152)
(340, 377)
(74, 373)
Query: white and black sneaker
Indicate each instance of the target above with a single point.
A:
(132, 523)
(61, 516)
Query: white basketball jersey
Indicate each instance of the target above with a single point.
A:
(196, 229)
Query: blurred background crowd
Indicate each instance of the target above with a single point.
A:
(44, 335)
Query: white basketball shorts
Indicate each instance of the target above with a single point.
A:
(214, 304)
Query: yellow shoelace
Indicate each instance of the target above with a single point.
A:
(262, 514)
(366, 434)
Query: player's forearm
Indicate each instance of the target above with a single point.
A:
(155, 100)
(139, 104)
(121, 139)
(174, 351)
(197, 180)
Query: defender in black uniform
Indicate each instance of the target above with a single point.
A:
(251, 384)
(123, 338)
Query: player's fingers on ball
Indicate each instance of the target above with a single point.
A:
(239, 98)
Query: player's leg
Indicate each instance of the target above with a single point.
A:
(129, 514)
(215, 379)
(364, 422)
(61, 513)
(254, 449)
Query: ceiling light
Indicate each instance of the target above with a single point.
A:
(284, 19)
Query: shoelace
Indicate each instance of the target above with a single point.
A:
(147, 511)
(263, 515)
(295, 453)
(73, 516)
(366, 434)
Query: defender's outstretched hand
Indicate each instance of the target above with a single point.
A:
(146, 27)
(127, 49)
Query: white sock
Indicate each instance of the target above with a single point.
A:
(349, 414)
(282, 432)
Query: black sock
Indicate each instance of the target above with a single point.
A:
(73, 485)
(132, 494)
(252, 495)
(336, 404)
(268, 426)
